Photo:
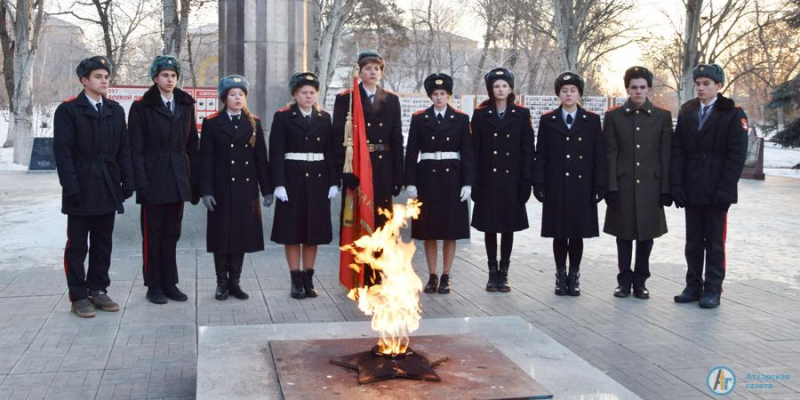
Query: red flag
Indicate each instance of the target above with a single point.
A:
(358, 218)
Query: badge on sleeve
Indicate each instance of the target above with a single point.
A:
(745, 126)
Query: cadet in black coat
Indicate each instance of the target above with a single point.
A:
(233, 170)
(708, 154)
(304, 172)
(92, 155)
(502, 137)
(439, 172)
(384, 133)
(165, 148)
(570, 178)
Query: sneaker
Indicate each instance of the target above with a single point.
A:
(101, 300)
(83, 308)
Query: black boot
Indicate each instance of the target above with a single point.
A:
(444, 284)
(561, 281)
(221, 268)
(297, 285)
(689, 294)
(433, 284)
(491, 285)
(235, 273)
(573, 281)
(308, 283)
(502, 277)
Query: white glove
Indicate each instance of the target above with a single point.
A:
(466, 192)
(333, 191)
(412, 191)
(280, 194)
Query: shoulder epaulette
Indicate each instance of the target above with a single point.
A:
(548, 112)
(284, 109)
(345, 92)
(481, 106)
(615, 107)
(71, 99)
(460, 111)
(212, 116)
(589, 112)
(419, 112)
(389, 91)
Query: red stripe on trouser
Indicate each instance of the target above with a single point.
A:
(144, 244)
(66, 269)
(724, 235)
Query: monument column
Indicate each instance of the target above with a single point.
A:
(266, 41)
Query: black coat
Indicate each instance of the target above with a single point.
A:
(164, 149)
(306, 217)
(708, 163)
(571, 166)
(504, 153)
(92, 155)
(233, 172)
(443, 215)
(384, 127)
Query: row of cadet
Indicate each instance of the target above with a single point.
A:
(635, 162)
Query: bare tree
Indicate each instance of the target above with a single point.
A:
(329, 19)
(18, 56)
(175, 22)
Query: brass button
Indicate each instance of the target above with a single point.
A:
(567, 155)
(508, 154)
(448, 139)
(580, 157)
(495, 152)
(637, 163)
(380, 140)
(637, 128)
(508, 172)
(233, 179)
(637, 111)
(231, 145)
(580, 138)
(567, 173)
(637, 146)
(306, 138)
(447, 170)
(495, 134)
(247, 179)
(433, 137)
(319, 139)
(320, 175)
(580, 176)
(369, 124)
(494, 169)
(247, 145)
(380, 124)
(306, 174)
(568, 139)
(434, 170)
(637, 181)
(233, 162)
(508, 135)
(380, 157)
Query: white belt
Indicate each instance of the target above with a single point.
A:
(304, 156)
(440, 155)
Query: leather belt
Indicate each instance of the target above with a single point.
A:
(440, 155)
(374, 148)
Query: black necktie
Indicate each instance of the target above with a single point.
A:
(439, 118)
(307, 119)
(501, 114)
(372, 99)
(569, 120)
(99, 108)
(169, 106)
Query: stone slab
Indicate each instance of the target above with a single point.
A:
(474, 368)
(235, 362)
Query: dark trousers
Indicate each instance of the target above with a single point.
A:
(705, 238)
(506, 244)
(161, 230)
(97, 230)
(641, 271)
(568, 247)
(228, 266)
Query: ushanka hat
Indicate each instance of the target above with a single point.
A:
(87, 65)
(161, 63)
(569, 78)
(229, 82)
(438, 81)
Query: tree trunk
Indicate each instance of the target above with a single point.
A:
(24, 53)
(176, 21)
(691, 56)
(564, 22)
(10, 132)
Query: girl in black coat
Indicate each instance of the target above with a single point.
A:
(439, 172)
(570, 179)
(503, 142)
(233, 170)
(303, 171)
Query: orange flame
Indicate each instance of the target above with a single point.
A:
(394, 303)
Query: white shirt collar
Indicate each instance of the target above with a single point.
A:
(368, 92)
(709, 104)
(303, 113)
(230, 114)
(165, 100)
(441, 112)
(92, 102)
